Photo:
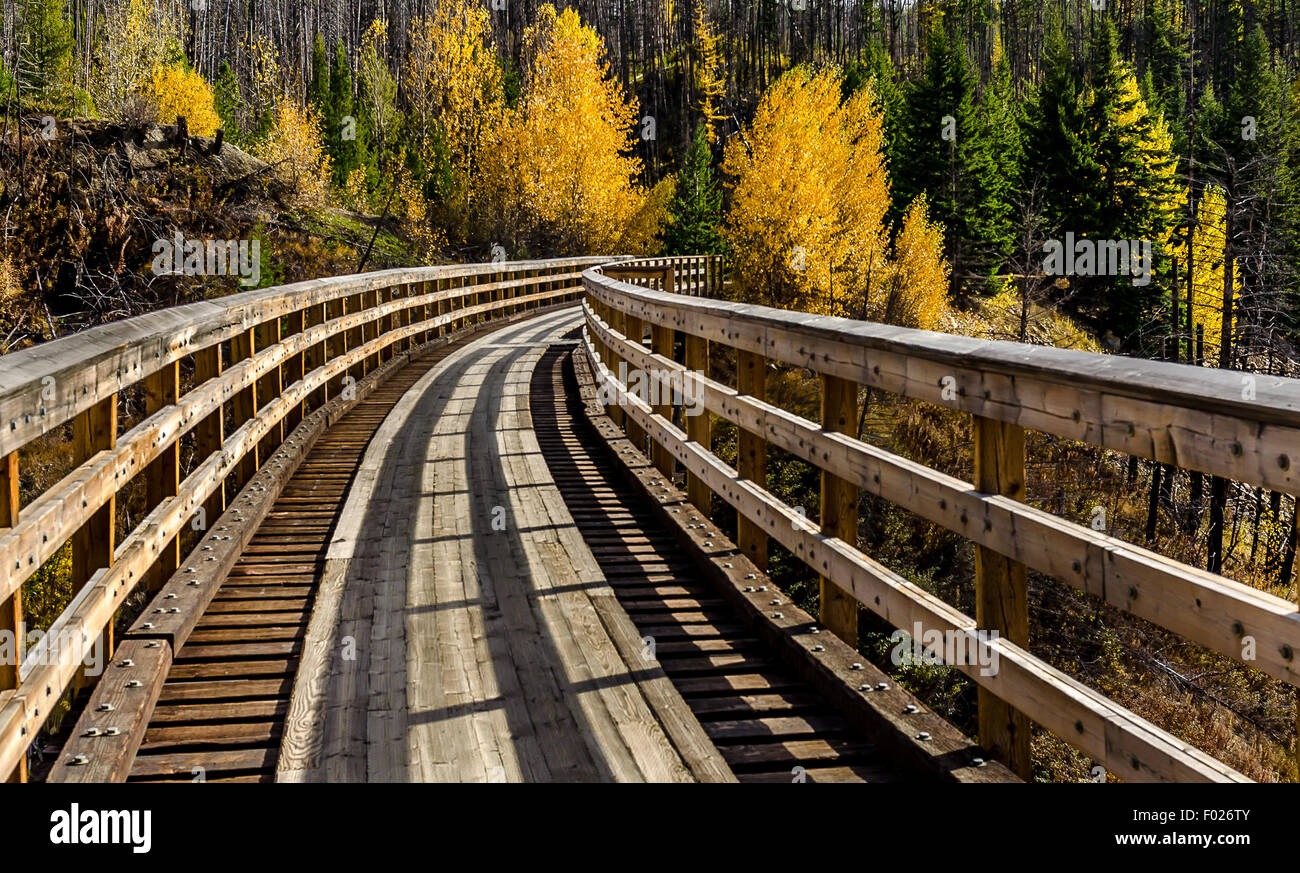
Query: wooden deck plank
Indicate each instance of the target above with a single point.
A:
(481, 656)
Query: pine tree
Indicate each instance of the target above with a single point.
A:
(1165, 67)
(993, 174)
(696, 209)
(229, 103)
(344, 134)
(45, 46)
(318, 88)
(1137, 195)
(1056, 159)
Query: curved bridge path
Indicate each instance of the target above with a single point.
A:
(464, 523)
(460, 580)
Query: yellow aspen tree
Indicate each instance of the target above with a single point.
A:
(561, 176)
(710, 78)
(809, 196)
(1205, 297)
(918, 290)
(453, 80)
(136, 37)
(176, 91)
(296, 149)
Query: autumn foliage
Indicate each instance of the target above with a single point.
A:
(810, 193)
(296, 150)
(178, 92)
(560, 175)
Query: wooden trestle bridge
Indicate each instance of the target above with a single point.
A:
(409, 525)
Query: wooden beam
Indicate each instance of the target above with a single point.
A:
(296, 366)
(94, 431)
(839, 508)
(1001, 594)
(11, 608)
(661, 343)
(245, 405)
(751, 379)
(634, 330)
(163, 475)
(699, 427)
(209, 434)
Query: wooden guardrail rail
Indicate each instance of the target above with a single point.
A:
(262, 362)
(1196, 418)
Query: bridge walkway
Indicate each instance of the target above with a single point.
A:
(463, 592)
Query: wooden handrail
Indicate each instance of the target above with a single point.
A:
(293, 347)
(1204, 607)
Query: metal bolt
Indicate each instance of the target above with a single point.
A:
(882, 686)
(92, 732)
(133, 683)
(855, 666)
(910, 708)
(777, 615)
(819, 648)
(127, 662)
(978, 762)
(923, 735)
(79, 759)
(106, 707)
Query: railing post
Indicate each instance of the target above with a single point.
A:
(355, 336)
(294, 369)
(11, 610)
(839, 507)
(661, 343)
(377, 326)
(209, 433)
(163, 475)
(314, 357)
(1001, 598)
(94, 431)
(244, 406)
(269, 388)
(751, 379)
(698, 426)
(635, 333)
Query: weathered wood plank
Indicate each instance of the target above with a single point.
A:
(1001, 589)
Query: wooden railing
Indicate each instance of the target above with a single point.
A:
(1239, 426)
(263, 362)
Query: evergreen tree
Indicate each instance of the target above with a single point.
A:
(1055, 157)
(318, 88)
(696, 209)
(962, 154)
(993, 174)
(229, 103)
(45, 46)
(340, 122)
(877, 69)
(1135, 195)
(1165, 67)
